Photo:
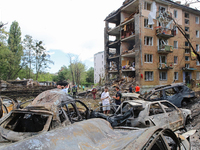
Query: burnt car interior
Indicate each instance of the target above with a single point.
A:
(155, 109)
(26, 122)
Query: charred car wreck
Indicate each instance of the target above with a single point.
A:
(177, 93)
(98, 134)
(142, 114)
(49, 110)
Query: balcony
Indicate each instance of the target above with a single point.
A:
(188, 69)
(165, 49)
(131, 6)
(113, 56)
(164, 32)
(114, 31)
(165, 66)
(114, 44)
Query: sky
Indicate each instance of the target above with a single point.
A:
(64, 26)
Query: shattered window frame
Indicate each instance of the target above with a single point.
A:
(148, 76)
(148, 41)
(197, 20)
(157, 109)
(175, 60)
(198, 75)
(187, 15)
(162, 59)
(175, 44)
(163, 75)
(197, 33)
(186, 43)
(187, 66)
(187, 29)
(187, 21)
(187, 58)
(176, 76)
(175, 13)
(187, 51)
(197, 47)
(146, 24)
(147, 6)
(148, 58)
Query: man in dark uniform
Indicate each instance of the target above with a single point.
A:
(74, 91)
(131, 89)
(118, 96)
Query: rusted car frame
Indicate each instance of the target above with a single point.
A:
(176, 93)
(98, 134)
(49, 110)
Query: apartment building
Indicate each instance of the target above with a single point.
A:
(99, 71)
(148, 44)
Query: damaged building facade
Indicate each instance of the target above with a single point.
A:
(141, 42)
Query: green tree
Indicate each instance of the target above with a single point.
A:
(15, 46)
(90, 75)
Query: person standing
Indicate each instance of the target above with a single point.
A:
(131, 89)
(118, 96)
(83, 87)
(65, 89)
(74, 91)
(105, 101)
(94, 91)
(137, 89)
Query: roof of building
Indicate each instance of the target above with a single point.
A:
(99, 53)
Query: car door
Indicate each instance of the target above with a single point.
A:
(157, 95)
(157, 115)
(175, 116)
(174, 96)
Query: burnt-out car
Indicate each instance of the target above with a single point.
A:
(98, 134)
(142, 114)
(49, 110)
(176, 93)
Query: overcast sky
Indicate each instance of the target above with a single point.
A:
(65, 26)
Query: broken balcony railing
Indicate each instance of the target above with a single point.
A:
(165, 49)
(166, 33)
(165, 66)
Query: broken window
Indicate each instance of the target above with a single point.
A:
(168, 107)
(197, 20)
(187, 35)
(26, 122)
(197, 33)
(170, 92)
(186, 15)
(175, 14)
(162, 9)
(148, 75)
(186, 44)
(175, 60)
(148, 41)
(187, 66)
(147, 6)
(187, 51)
(155, 109)
(176, 44)
(197, 47)
(163, 75)
(186, 21)
(186, 29)
(187, 58)
(146, 24)
(148, 58)
(156, 95)
(162, 59)
(175, 75)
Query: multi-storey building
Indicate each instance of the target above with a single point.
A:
(99, 63)
(148, 44)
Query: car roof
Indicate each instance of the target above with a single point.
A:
(168, 86)
(143, 102)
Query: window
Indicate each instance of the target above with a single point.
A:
(175, 59)
(148, 41)
(187, 35)
(186, 21)
(162, 9)
(198, 76)
(187, 51)
(148, 75)
(155, 109)
(197, 33)
(146, 24)
(186, 29)
(167, 106)
(186, 44)
(176, 44)
(162, 59)
(198, 63)
(147, 6)
(197, 20)
(197, 47)
(186, 15)
(157, 95)
(187, 58)
(148, 58)
(175, 14)
(163, 75)
(187, 66)
(175, 75)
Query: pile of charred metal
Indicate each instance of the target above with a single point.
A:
(54, 120)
